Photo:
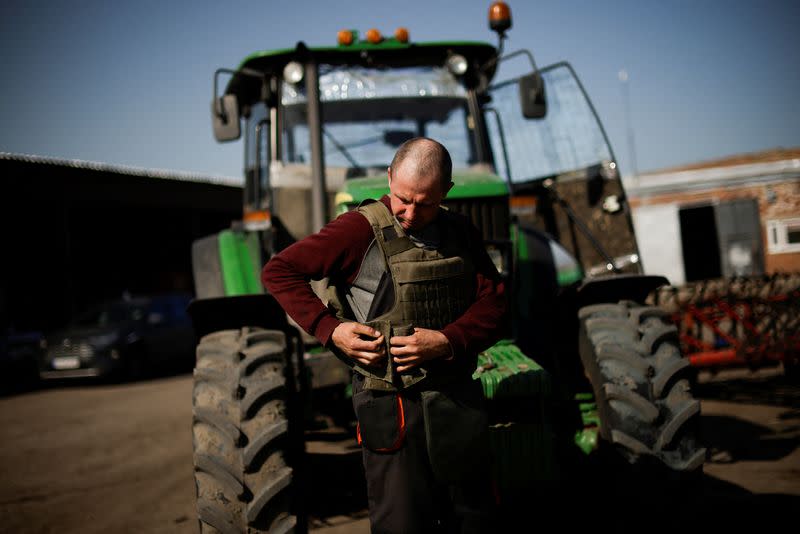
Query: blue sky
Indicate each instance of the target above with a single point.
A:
(130, 82)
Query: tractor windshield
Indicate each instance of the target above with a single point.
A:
(368, 113)
(567, 139)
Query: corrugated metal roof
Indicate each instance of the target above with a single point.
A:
(765, 156)
(163, 174)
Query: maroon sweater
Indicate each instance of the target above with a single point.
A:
(337, 251)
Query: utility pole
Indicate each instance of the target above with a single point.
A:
(626, 101)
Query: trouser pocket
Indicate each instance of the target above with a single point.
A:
(456, 432)
(381, 421)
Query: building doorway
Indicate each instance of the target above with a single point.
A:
(700, 243)
(722, 240)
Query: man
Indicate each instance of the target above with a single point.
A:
(405, 270)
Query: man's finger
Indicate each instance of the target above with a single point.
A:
(367, 359)
(370, 356)
(400, 350)
(412, 358)
(401, 340)
(371, 346)
(365, 330)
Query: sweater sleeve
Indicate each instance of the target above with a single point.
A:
(483, 322)
(334, 252)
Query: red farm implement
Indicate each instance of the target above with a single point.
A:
(742, 322)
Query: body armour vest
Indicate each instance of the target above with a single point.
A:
(425, 286)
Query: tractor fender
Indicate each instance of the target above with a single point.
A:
(614, 288)
(231, 313)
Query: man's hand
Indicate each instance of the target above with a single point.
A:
(421, 346)
(351, 339)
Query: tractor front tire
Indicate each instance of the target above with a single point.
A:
(641, 385)
(240, 433)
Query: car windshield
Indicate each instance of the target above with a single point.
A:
(368, 113)
(112, 313)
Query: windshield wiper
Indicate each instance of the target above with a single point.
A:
(341, 148)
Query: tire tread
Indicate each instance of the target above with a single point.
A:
(631, 356)
(240, 463)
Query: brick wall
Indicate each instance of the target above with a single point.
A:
(777, 200)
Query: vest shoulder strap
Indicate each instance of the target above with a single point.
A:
(389, 235)
(376, 213)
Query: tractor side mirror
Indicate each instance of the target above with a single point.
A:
(225, 118)
(531, 96)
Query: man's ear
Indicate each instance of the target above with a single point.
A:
(448, 188)
(389, 173)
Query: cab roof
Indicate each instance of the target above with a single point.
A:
(386, 55)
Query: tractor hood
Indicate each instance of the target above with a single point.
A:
(468, 184)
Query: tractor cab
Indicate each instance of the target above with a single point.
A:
(321, 126)
(317, 118)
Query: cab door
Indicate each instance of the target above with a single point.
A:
(562, 172)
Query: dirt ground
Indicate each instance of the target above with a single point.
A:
(118, 458)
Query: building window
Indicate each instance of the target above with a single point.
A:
(783, 235)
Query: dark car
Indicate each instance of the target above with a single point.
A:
(124, 338)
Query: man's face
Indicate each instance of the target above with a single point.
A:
(415, 199)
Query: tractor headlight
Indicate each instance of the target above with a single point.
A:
(457, 64)
(293, 72)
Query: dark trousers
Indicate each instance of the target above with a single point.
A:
(404, 496)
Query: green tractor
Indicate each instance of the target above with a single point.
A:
(587, 366)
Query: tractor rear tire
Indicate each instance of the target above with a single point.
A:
(240, 433)
(641, 385)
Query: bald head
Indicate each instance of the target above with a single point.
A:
(419, 178)
(429, 159)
